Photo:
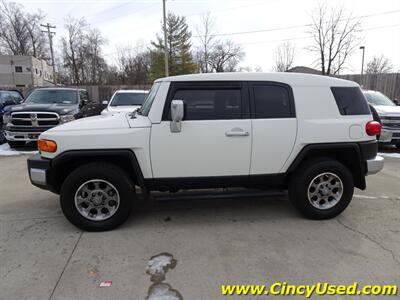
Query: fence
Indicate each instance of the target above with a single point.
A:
(389, 84)
(104, 92)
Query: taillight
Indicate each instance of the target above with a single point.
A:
(373, 128)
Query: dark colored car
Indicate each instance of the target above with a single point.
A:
(8, 98)
(43, 109)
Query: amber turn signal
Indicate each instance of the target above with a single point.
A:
(47, 146)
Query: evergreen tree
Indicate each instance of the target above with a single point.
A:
(180, 60)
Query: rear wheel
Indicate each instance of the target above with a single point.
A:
(97, 197)
(321, 188)
(16, 144)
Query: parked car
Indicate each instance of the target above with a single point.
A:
(313, 135)
(8, 98)
(125, 101)
(43, 109)
(389, 114)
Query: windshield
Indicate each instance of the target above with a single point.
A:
(150, 98)
(127, 99)
(53, 96)
(377, 98)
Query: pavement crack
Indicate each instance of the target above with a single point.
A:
(66, 265)
(366, 236)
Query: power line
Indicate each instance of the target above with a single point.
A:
(292, 27)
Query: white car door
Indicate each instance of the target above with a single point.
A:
(274, 126)
(215, 137)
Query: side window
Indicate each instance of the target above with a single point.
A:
(350, 101)
(272, 101)
(17, 97)
(7, 97)
(210, 103)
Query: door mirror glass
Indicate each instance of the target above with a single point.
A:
(176, 115)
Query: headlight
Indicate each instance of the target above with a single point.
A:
(67, 118)
(6, 119)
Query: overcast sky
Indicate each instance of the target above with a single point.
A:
(127, 22)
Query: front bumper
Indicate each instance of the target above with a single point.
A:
(389, 136)
(375, 165)
(21, 136)
(39, 170)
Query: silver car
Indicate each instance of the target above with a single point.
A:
(389, 114)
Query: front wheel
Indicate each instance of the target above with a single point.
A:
(97, 197)
(321, 188)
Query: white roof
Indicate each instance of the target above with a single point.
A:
(293, 79)
(133, 91)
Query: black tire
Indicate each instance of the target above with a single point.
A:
(397, 146)
(16, 144)
(103, 171)
(307, 172)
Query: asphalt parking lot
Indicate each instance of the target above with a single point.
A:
(227, 241)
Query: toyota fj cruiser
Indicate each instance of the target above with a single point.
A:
(310, 134)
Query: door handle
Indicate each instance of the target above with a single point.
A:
(237, 132)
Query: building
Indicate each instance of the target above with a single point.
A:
(24, 71)
(306, 70)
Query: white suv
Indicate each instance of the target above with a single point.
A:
(311, 134)
(124, 101)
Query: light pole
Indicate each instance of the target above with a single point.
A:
(165, 40)
(363, 55)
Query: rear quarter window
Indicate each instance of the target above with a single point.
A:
(350, 101)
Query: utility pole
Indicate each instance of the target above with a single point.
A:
(165, 40)
(362, 63)
(50, 34)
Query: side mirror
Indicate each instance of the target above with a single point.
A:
(176, 115)
(105, 102)
(83, 103)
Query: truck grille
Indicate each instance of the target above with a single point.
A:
(35, 119)
(391, 122)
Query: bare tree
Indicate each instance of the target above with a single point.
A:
(19, 31)
(207, 42)
(134, 64)
(71, 47)
(335, 36)
(82, 53)
(37, 39)
(284, 57)
(379, 65)
(225, 56)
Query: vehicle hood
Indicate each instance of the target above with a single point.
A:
(98, 123)
(387, 110)
(61, 109)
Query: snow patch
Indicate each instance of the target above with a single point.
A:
(159, 265)
(163, 291)
(394, 155)
(5, 150)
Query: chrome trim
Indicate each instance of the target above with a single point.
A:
(10, 136)
(34, 118)
(375, 165)
(385, 136)
(38, 176)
